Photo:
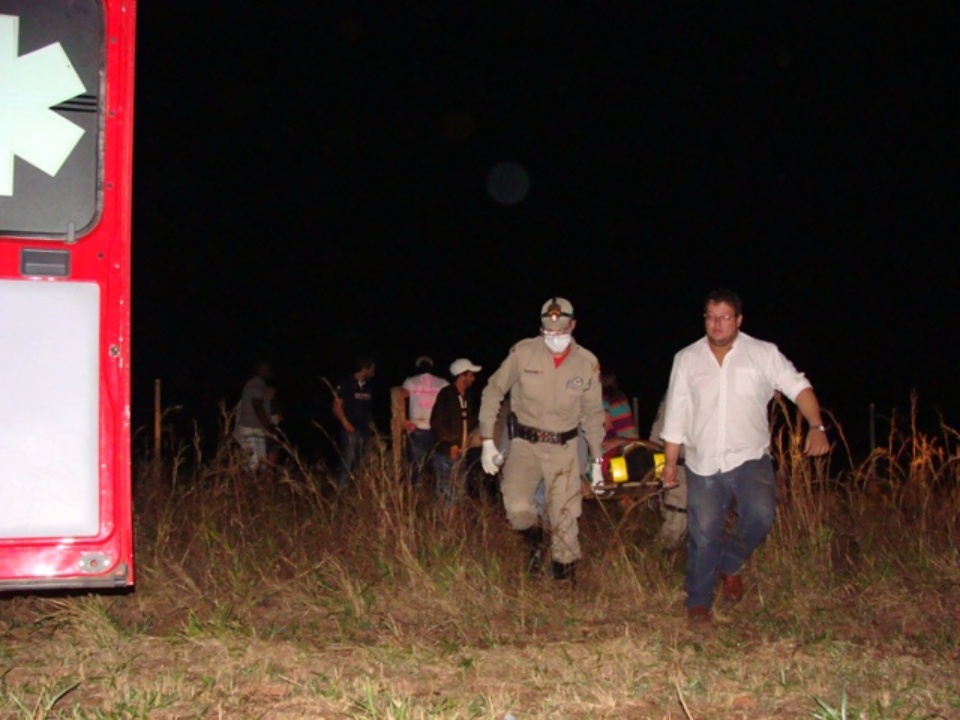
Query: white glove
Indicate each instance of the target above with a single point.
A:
(596, 476)
(491, 458)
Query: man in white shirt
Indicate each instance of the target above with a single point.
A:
(253, 417)
(716, 408)
(420, 392)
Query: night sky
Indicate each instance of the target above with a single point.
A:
(418, 177)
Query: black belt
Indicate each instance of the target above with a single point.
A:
(536, 435)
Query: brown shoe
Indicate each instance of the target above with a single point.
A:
(732, 588)
(698, 614)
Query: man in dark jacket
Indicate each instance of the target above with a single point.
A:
(452, 421)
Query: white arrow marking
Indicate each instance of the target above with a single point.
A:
(29, 86)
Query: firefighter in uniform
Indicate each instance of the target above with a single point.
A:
(673, 503)
(554, 387)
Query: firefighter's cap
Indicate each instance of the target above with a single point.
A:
(556, 313)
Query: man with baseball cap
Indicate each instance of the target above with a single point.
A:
(554, 387)
(452, 422)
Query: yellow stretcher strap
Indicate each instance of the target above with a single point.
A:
(619, 472)
(659, 460)
(618, 469)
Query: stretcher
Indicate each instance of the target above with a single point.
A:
(631, 470)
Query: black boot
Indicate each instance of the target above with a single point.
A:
(533, 536)
(565, 571)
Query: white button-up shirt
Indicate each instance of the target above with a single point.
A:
(719, 412)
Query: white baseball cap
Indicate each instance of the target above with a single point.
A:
(462, 365)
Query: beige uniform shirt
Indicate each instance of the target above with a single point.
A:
(547, 397)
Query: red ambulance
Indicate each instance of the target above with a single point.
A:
(66, 154)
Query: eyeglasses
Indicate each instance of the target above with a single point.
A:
(718, 318)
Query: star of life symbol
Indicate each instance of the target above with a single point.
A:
(29, 87)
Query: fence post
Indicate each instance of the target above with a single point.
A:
(397, 431)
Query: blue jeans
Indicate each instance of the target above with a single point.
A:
(351, 447)
(754, 487)
(419, 445)
(449, 477)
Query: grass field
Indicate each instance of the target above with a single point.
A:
(271, 598)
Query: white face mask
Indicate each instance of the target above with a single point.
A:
(558, 343)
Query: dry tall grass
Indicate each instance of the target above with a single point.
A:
(271, 596)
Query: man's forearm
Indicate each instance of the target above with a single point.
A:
(671, 453)
(671, 456)
(341, 416)
(261, 414)
(809, 407)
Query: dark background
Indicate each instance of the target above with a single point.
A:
(312, 182)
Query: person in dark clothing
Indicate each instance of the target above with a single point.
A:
(353, 407)
(453, 421)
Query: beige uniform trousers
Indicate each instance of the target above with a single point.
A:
(673, 506)
(558, 467)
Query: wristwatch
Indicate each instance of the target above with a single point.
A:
(821, 428)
